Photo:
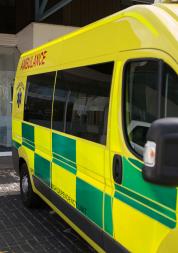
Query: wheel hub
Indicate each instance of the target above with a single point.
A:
(25, 184)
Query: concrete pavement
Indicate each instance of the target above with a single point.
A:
(25, 230)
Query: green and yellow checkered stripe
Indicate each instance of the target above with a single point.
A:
(157, 202)
(60, 173)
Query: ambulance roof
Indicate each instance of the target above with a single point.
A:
(140, 26)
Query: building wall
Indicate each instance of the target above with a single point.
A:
(36, 34)
(83, 12)
(42, 35)
(25, 38)
(17, 14)
(11, 46)
(9, 40)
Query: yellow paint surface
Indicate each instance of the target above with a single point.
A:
(43, 141)
(64, 183)
(17, 130)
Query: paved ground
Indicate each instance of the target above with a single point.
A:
(36, 230)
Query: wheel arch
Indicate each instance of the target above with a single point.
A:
(21, 161)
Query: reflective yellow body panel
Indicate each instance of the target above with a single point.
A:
(140, 217)
(64, 184)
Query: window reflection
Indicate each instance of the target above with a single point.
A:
(82, 101)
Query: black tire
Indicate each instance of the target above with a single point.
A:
(29, 198)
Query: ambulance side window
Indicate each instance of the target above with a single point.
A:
(38, 101)
(141, 100)
(81, 101)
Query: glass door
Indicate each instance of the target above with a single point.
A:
(8, 63)
(6, 80)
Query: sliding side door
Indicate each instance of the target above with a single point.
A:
(80, 117)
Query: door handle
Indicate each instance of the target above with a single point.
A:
(117, 169)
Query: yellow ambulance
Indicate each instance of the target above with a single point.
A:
(95, 129)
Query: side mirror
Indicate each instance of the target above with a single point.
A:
(161, 153)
